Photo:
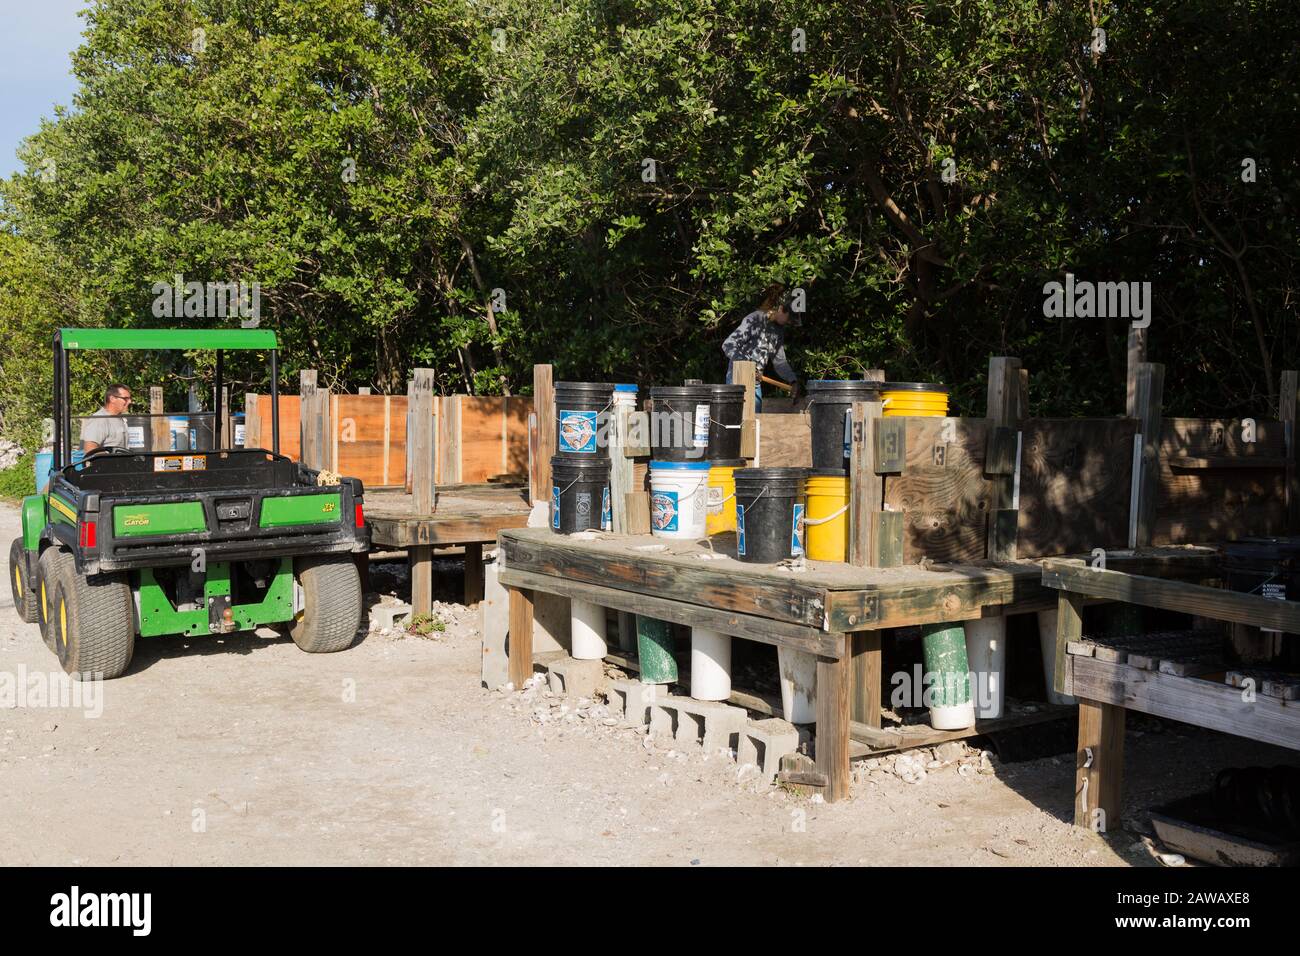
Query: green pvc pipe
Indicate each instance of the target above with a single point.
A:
(943, 647)
(654, 639)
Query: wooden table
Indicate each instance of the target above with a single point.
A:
(834, 611)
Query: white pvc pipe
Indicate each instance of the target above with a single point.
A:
(710, 664)
(587, 631)
(798, 685)
(1047, 640)
(986, 652)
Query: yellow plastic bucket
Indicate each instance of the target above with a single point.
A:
(720, 515)
(914, 398)
(826, 537)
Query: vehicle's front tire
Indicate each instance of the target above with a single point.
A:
(20, 581)
(92, 624)
(332, 607)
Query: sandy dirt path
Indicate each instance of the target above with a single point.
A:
(244, 750)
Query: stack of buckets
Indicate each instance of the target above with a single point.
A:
(695, 442)
(580, 468)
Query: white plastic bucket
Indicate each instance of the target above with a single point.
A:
(986, 650)
(679, 498)
(710, 664)
(587, 631)
(1047, 640)
(798, 685)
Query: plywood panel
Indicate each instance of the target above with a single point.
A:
(480, 437)
(359, 431)
(290, 434)
(517, 411)
(1075, 484)
(784, 440)
(942, 492)
(1214, 504)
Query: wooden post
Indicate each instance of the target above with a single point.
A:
(521, 636)
(866, 487)
(1150, 392)
(1003, 411)
(227, 431)
(832, 747)
(1069, 627)
(744, 373)
(158, 435)
(1137, 354)
(420, 437)
(314, 421)
(1287, 399)
(544, 412)
(252, 421)
(447, 453)
(867, 678)
(1099, 762)
(473, 573)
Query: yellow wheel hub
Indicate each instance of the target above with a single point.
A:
(18, 578)
(45, 602)
(63, 621)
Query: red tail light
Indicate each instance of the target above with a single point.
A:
(86, 534)
(360, 516)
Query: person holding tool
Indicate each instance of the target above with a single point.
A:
(760, 338)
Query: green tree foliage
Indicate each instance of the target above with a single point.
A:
(608, 186)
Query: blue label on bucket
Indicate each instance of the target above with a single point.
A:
(578, 432)
(848, 430)
(555, 506)
(796, 531)
(606, 514)
(740, 528)
(663, 510)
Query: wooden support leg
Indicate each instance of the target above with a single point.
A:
(421, 560)
(1069, 627)
(473, 573)
(521, 636)
(867, 678)
(1100, 766)
(833, 679)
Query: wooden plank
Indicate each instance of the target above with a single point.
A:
(252, 422)
(889, 445)
(1288, 402)
(407, 531)
(699, 582)
(1203, 703)
(388, 434)
(866, 486)
(1150, 392)
(447, 457)
(761, 629)
(785, 440)
(421, 438)
(743, 373)
(884, 739)
(1179, 596)
(544, 407)
(1003, 409)
(332, 432)
(473, 573)
(832, 744)
(517, 413)
(943, 493)
(889, 539)
(1069, 629)
(620, 468)
(638, 512)
(1075, 485)
(1137, 355)
(944, 600)
(159, 437)
(868, 678)
(1099, 767)
(520, 635)
(420, 559)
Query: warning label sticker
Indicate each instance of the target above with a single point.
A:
(181, 463)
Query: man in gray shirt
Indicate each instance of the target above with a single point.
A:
(106, 428)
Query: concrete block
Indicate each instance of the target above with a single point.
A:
(691, 723)
(632, 699)
(388, 615)
(764, 742)
(494, 622)
(575, 678)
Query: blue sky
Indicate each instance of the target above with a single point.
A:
(37, 38)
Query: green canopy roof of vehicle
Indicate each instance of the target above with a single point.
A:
(172, 339)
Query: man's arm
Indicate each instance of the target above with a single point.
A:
(782, 366)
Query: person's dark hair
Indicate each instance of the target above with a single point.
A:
(772, 296)
(112, 391)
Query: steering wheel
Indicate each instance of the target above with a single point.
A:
(107, 450)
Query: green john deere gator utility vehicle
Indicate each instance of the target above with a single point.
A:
(131, 542)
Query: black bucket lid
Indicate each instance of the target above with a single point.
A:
(683, 391)
(913, 387)
(729, 462)
(843, 385)
(597, 387)
(735, 393)
(593, 467)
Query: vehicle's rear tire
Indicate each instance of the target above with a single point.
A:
(54, 566)
(20, 581)
(92, 624)
(332, 608)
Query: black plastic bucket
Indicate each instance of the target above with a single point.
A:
(1268, 567)
(829, 404)
(582, 419)
(727, 411)
(769, 513)
(679, 422)
(579, 494)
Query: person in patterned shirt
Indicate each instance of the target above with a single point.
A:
(760, 338)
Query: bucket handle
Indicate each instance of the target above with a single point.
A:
(599, 412)
(830, 517)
